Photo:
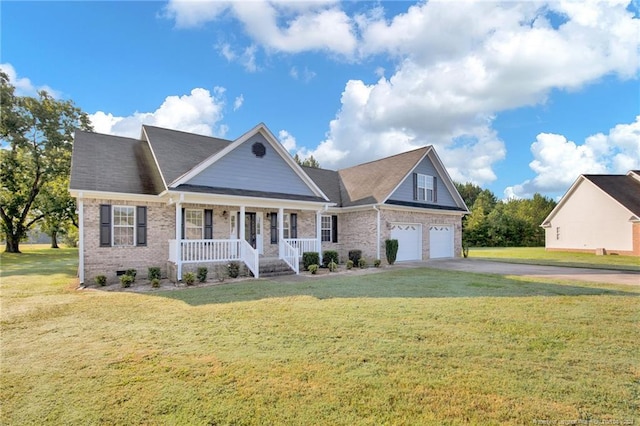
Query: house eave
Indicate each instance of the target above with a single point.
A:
(239, 200)
(116, 196)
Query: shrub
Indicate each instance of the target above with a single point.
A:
(329, 256)
(202, 274)
(132, 273)
(153, 272)
(362, 262)
(391, 250)
(333, 266)
(101, 280)
(349, 264)
(465, 251)
(189, 278)
(155, 282)
(126, 280)
(313, 269)
(310, 258)
(355, 255)
(233, 269)
(377, 263)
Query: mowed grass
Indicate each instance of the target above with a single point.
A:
(539, 256)
(416, 346)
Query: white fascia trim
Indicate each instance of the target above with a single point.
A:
(273, 141)
(423, 210)
(144, 136)
(238, 200)
(116, 196)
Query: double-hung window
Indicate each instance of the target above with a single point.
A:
(424, 188)
(193, 224)
(123, 226)
(325, 228)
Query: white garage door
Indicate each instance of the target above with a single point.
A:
(441, 241)
(409, 236)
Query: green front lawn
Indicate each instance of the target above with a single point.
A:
(539, 256)
(399, 347)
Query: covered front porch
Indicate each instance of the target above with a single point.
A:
(210, 233)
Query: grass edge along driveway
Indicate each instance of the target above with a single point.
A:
(402, 347)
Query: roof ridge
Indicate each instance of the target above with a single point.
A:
(425, 147)
(185, 132)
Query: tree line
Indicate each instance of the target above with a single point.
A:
(498, 223)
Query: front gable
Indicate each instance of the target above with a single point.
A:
(255, 162)
(444, 193)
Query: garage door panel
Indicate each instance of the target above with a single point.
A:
(409, 236)
(440, 241)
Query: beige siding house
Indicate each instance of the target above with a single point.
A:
(599, 213)
(177, 200)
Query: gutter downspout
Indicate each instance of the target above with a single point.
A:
(377, 231)
(81, 239)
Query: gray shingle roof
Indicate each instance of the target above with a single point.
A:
(113, 164)
(624, 189)
(328, 181)
(173, 158)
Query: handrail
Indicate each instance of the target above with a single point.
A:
(303, 245)
(291, 256)
(250, 258)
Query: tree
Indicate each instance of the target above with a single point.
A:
(36, 136)
(307, 162)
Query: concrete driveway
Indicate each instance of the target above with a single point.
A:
(556, 272)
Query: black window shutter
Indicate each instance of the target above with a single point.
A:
(105, 225)
(274, 228)
(182, 225)
(415, 186)
(208, 224)
(141, 226)
(435, 189)
(294, 225)
(334, 229)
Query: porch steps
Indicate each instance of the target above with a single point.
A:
(272, 266)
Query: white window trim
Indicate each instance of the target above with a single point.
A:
(323, 228)
(114, 226)
(187, 227)
(425, 187)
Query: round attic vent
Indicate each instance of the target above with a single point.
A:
(258, 150)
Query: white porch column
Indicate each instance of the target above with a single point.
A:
(319, 233)
(241, 224)
(280, 230)
(81, 240)
(178, 241)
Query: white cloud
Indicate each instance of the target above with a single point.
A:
(237, 103)
(305, 75)
(23, 85)
(287, 140)
(558, 161)
(198, 112)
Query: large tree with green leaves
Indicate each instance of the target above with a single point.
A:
(36, 136)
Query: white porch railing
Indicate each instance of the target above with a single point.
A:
(291, 256)
(200, 251)
(303, 244)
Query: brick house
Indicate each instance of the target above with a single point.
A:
(178, 200)
(599, 213)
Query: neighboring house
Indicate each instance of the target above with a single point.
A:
(179, 200)
(599, 213)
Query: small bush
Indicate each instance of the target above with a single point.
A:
(155, 282)
(101, 280)
(313, 269)
(329, 256)
(391, 250)
(355, 255)
(310, 258)
(233, 269)
(202, 274)
(333, 266)
(362, 262)
(465, 251)
(189, 278)
(377, 263)
(132, 273)
(349, 264)
(221, 273)
(153, 272)
(126, 280)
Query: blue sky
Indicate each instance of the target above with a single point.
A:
(518, 97)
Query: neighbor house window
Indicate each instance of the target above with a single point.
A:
(193, 224)
(329, 228)
(424, 187)
(123, 225)
(557, 232)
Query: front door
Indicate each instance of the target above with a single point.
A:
(250, 228)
